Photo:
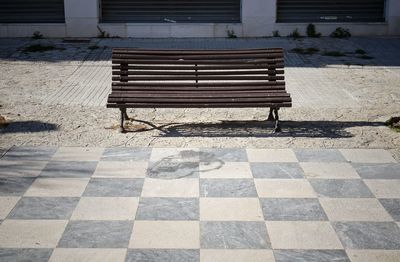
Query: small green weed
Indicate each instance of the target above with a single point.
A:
(231, 34)
(340, 32)
(311, 31)
(394, 123)
(37, 35)
(295, 34)
(275, 33)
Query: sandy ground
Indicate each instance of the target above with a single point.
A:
(26, 80)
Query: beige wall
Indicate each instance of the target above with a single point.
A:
(258, 20)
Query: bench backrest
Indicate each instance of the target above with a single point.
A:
(197, 70)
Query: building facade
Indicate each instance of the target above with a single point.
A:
(195, 18)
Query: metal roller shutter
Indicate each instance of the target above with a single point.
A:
(330, 11)
(32, 11)
(170, 11)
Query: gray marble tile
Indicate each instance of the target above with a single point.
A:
(126, 154)
(69, 169)
(96, 234)
(14, 186)
(30, 153)
(319, 155)
(227, 188)
(114, 187)
(169, 169)
(368, 235)
(163, 255)
(25, 254)
(234, 235)
(223, 154)
(341, 188)
(277, 170)
(310, 256)
(292, 209)
(392, 206)
(168, 209)
(44, 208)
(378, 171)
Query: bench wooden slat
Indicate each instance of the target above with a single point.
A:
(198, 67)
(197, 57)
(191, 52)
(201, 84)
(199, 78)
(193, 62)
(199, 105)
(195, 95)
(247, 72)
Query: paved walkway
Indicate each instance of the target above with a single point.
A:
(143, 204)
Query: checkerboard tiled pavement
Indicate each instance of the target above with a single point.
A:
(143, 204)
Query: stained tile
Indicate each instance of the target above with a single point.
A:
(292, 209)
(165, 235)
(230, 209)
(223, 155)
(30, 153)
(88, 254)
(392, 206)
(302, 235)
(378, 171)
(368, 235)
(168, 209)
(162, 255)
(227, 188)
(175, 155)
(25, 254)
(234, 235)
(236, 255)
(367, 155)
(31, 233)
(319, 155)
(21, 168)
(126, 154)
(310, 256)
(354, 209)
(14, 186)
(69, 169)
(58, 187)
(78, 154)
(44, 208)
(186, 187)
(106, 208)
(271, 155)
(383, 188)
(6, 205)
(277, 170)
(329, 170)
(373, 255)
(121, 169)
(114, 187)
(341, 188)
(225, 170)
(96, 234)
(166, 169)
(284, 188)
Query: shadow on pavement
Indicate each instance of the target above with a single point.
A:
(28, 127)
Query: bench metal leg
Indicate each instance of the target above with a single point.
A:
(123, 112)
(126, 117)
(277, 125)
(270, 116)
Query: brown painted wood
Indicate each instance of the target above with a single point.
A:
(236, 72)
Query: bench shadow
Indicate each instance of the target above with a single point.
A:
(28, 127)
(317, 129)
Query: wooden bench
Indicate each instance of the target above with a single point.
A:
(144, 78)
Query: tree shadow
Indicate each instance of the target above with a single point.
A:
(28, 127)
(317, 129)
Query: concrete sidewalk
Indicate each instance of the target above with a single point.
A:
(199, 204)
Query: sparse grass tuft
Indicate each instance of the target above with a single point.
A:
(394, 123)
(295, 34)
(275, 33)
